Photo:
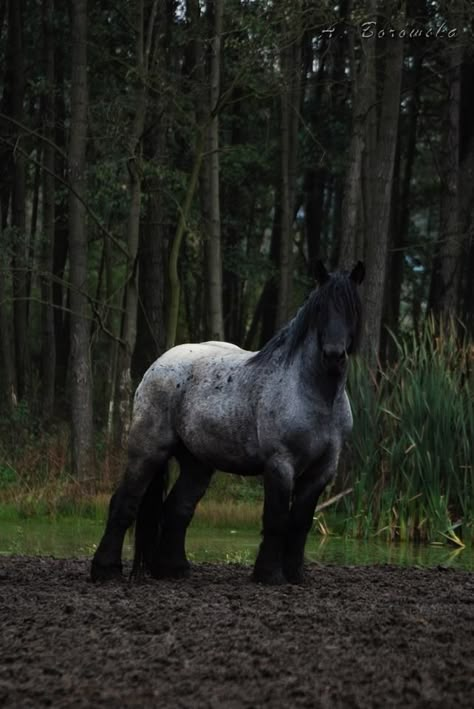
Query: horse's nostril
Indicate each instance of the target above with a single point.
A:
(334, 354)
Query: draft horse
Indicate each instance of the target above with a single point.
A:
(282, 412)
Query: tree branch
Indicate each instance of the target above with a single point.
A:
(66, 184)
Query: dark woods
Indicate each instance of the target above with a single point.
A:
(172, 171)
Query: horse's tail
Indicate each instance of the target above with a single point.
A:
(148, 524)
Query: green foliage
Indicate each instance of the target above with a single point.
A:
(413, 442)
(19, 426)
(235, 488)
(8, 476)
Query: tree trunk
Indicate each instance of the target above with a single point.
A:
(173, 275)
(129, 317)
(468, 291)
(213, 241)
(135, 167)
(48, 344)
(154, 228)
(61, 235)
(269, 297)
(6, 339)
(290, 58)
(466, 197)
(285, 261)
(316, 175)
(402, 205)
(31, 244)
(450, 249)
(80, 366)
(334, 255)
(378, 197)
(234, 199)
(16, 89)
(314, 212)
(363, 106)
(151, 334)
(394, 272)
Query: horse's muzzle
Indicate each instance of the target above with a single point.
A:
(334, 358)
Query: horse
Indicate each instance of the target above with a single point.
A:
(281, 412)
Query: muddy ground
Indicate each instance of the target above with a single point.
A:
(350, 637)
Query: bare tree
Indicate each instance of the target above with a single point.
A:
(466, 200)
(401, 199)
(155, 221)
(48, 344)
(16, 90)
(213, 238)
(450, 235)
(285, 260)
(80, 365)
(379, 169)
(143, 58)
(290, 65)
(363, 100)
(6, 350)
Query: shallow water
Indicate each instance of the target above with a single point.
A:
(76, 537)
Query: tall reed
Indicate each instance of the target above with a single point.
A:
(413, 442)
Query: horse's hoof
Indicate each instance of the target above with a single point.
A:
(294, 576)
(102, 573)
(269, 577)
(172, 571)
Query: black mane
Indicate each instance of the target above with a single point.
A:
(340, 290)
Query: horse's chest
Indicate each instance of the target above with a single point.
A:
(310, 436)
(310, 444)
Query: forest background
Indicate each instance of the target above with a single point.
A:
(171, 171)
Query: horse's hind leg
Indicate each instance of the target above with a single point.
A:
(107, 561)
(179, 507)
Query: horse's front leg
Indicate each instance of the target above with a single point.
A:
(278, 485)
(306, 493)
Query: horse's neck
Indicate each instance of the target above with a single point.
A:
(330, 387)
(325, 386)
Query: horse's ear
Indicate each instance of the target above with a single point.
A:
(358, 273)
(320, 272)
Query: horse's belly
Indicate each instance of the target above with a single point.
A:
(225, 458)
(245, 466)
(226, 441)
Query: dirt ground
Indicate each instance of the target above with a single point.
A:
(350, 637)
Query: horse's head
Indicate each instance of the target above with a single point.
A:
(332, 312)
(338, 315)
